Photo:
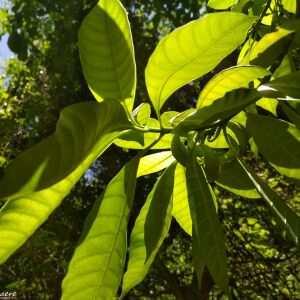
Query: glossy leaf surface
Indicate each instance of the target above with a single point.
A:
(207, 228)
(106, 53)
(278, 141)
(96, 268)
(191, 51)
(229, 80)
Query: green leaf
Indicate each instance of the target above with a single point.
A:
(206, 226)
(278, 141)
(82, 129)
(158, 212)
(221, 4)
(266, 50)
(167, 117)
(134, 139)
(137, 268)
(39, 178)
(229, 80)
(179, 151)
(284, 88)
(291, 114)
(142, 113)
(212, 164)
(193, 50)
(268, 104)
(225, 108)
(181, 209)
(154, 162)
(106, 53)
(234, 179)
(96, 268)
(288, 219)
(289, 5)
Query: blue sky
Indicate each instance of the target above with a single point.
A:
(5, 53)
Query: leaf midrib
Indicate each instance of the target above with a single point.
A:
(184, 65)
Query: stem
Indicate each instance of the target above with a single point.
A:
(153, 129)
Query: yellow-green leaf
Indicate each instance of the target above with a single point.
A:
(96, 268)
(154, 162)
(221, 4)
(191, 51)
(181, 209)
(106, 53)
(39, 178)
(229, 80)
(137, 268)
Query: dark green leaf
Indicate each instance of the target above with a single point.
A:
(225, 108)
(278, 141)
(234, 179)
(158, 210)
(207, 228)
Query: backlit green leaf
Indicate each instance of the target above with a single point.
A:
(191, 51)
(154, 162)
(181, 209)
(266, 50)
(289, 5)
(207, 228)
(106, 53)
(135, 139)
(142, 113)
(268, 104)
(137, 268)
(229, 80)
(96, 268)
(35, 187)
(225, 108)
(221, 4)
(158, 212)
(278, 141)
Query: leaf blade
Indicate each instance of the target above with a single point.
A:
(229, 80)
(158, 210)
(195, 51)
(278, 141)
(137, 268)
(207, 228)
(106, 53)
(31, 193)
(96, 268)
